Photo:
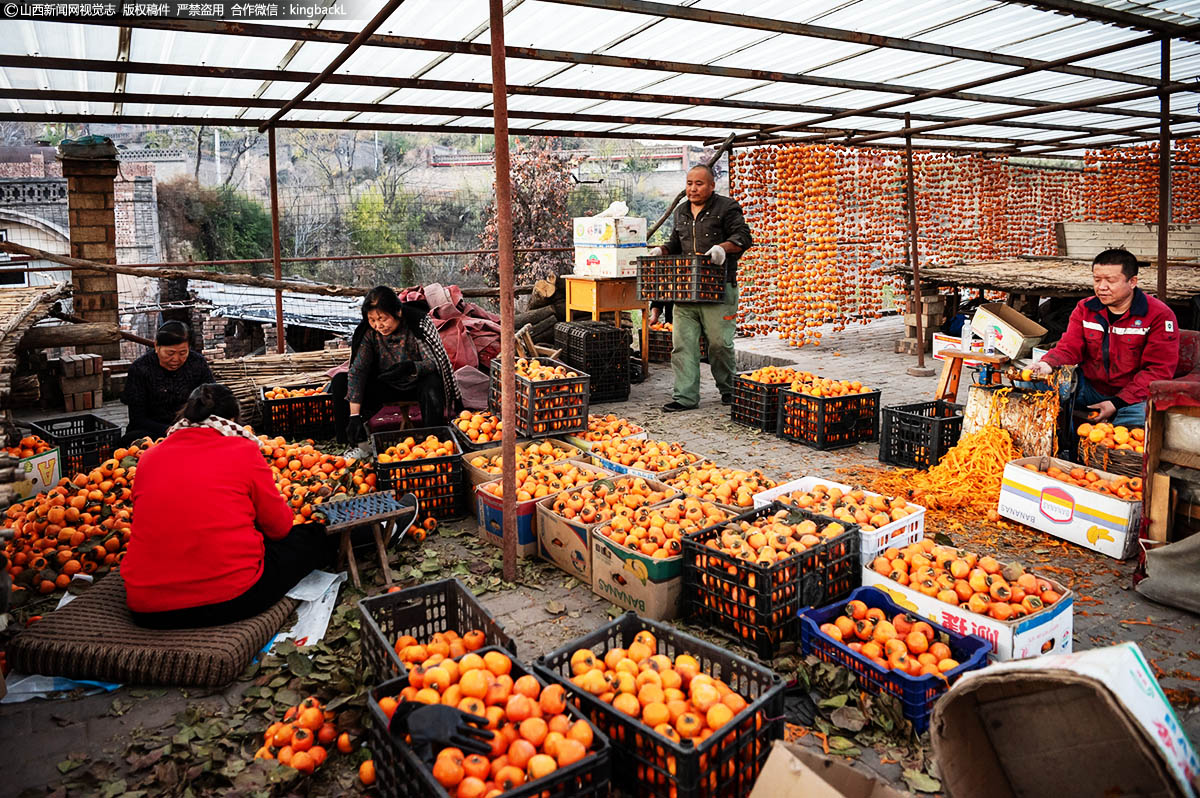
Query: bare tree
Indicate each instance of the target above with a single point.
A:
(242, 141)
(199, 150)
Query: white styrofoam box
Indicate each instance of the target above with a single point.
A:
(1087, 518)
(942, 341)
(1124, 671)
(610, 231)
(908, 529)
(1045, 632)
(607, 261)
(37, 473)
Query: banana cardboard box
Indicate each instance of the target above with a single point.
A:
(650, 587)
(1084, 517)
(1001, 731)
(36, 474)
(610, 231)
(564, 542)
(1046, 632)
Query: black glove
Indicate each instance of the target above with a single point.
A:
(356, 430)
(437, 726)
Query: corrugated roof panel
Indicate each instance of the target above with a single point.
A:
(435, 19)
(392, 62)
(786, 53)
(904, 18)
(58, 40)
(999, 24)
(559, 27)
(566, 105)
(685, 40)
(886, 65)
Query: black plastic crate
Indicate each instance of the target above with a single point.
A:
(401, 774)
(84, 441)
(918, 435)
(436, 481)
(422, 612)
(680, 278)
(470, 446)
(298, 417)
(547, 407)
(648, 765)
(661, 344)
(755, 404)
(756, 605)
(601, 350)
(828, 422)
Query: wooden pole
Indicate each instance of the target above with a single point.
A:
(1164, 169)
(508, 408)
(910, 190)
(156, 273)
(276, 254)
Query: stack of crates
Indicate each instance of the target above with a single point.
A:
(601, 350)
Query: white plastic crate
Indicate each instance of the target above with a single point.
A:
(908, 529)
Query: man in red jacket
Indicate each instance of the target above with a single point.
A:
(1121, 339)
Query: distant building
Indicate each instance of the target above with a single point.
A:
(33, 212)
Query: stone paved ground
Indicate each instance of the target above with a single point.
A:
(546, 608)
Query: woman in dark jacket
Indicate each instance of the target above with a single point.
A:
(159, 382)
(395, 355)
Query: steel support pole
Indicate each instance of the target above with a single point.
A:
(276, 249)
(1164, 171)
(910, 192)
(504, 245)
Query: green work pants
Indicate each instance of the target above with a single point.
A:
(717, 322)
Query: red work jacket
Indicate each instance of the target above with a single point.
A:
(1120, 359)
(197, 498)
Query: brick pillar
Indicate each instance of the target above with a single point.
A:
(91, 204)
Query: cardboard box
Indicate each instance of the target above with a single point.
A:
(586, 446)
(795, 772)
(648, 586)
(567, 542)
(1015, 335)
(608, 261)
(37, 473)
(1092, 723)
(661, 476)
(611, 231)
(478, 476)
(908, 529)
(942, 341)
(1045, 632)
(1096, 521)
(490, 512)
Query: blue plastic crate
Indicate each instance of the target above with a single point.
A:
(917, 693)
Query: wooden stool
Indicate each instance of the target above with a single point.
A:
(947, 387)
(596, 295)
(370, 509)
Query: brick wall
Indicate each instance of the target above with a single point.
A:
(91, 203)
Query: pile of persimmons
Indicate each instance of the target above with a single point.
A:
(964, 579)
(532, 734)
(658, 531)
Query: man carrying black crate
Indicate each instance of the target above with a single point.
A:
(713, 225)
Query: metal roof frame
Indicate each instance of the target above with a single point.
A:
(1016, 122)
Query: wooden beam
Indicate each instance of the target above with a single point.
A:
(86, 334)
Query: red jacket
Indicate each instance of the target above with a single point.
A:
(196, 499)
(1121, 359)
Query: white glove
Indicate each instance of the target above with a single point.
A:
(717, 254)
(1042, 368)
(657, 252)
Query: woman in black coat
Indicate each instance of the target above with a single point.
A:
(396, 354)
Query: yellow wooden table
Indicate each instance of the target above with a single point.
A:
(596, 295)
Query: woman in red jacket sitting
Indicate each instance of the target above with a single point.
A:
(212, 539)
